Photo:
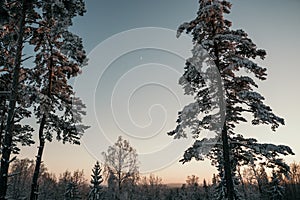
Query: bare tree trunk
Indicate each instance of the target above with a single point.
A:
(34, 185)
(119, 184)
(227, 165)
(2, 127)
(225, 144)
(7, 141)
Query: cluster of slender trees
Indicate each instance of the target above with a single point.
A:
(39, 55)
(119, 172)
(50, 187)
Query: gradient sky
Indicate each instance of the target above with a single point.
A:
(137, 95)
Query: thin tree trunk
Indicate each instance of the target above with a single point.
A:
(119, 184)
(34, 185)
(226, 149)
(7, 141)
(2, 127)
(227, 165)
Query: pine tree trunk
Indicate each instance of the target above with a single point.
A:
(34, 185)
(226, 150)
(8, 136)
(227, 165)
(119, 185)
(2, 127)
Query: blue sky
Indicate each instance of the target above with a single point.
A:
(147, 111)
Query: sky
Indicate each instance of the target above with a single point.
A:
(131, 86)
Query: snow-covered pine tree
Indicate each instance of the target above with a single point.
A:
(96, 192)
(72, 192)
(14, 32)
(224, 94)
(217, 161)
(28, 26)
(276, 190)
(59, 56)
(22, 133)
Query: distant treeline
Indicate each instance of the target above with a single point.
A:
(255, 183)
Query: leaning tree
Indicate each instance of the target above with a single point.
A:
(220, 76)
(59, 56)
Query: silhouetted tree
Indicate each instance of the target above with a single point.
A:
(150, 188)
(193, 188)
(121, 165)
(96, 192)
(206, 190)
(59, 56)
(21, 171)
(75, 180)
(276, 190)
(217, 75)
(72, 192)
(13, 25)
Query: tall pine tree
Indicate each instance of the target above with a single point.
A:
(14, 32)
(59, 57)
(220, 75)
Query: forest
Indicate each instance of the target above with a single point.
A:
(255, 184)
(40, 59)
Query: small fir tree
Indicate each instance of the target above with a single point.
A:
(96, 192)
(276, 190)
(72, 192)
